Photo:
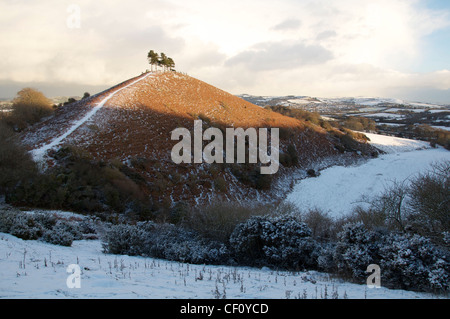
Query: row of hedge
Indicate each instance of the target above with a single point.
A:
(44, 226)
(407, 261)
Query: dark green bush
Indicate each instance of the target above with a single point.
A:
(32, 226)
(60, 234)
(163, 241)
(79, 184)
(24, 226)
(15, 162)
(280, 241)
(406, 261)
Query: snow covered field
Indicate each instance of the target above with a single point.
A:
(339, 189)
(34, 269)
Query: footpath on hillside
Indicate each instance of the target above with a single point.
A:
(38, 154)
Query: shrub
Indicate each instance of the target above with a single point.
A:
(162, 241)
(290, 158)
(24, 226)
(321, 224)
(370, 217)
(42, 226)
(360, 124)
(60, 234)
(175, 243)
(217, 221)
(412, 262)
(419, 205)
(15, 162)
(281, 241)
(46, 220)
(357, 248)
(29, 107)
(407, 261)
(125, 239)
(430, 198)
(79, 183)
(263, 181)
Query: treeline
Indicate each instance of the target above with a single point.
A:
(345, 138)
(352, 122)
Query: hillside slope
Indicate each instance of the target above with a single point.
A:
(131, 124)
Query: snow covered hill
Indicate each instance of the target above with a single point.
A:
(34, 269)
(339, 189)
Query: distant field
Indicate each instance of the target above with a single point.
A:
(339, 189)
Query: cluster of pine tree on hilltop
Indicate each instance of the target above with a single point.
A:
(161, 60)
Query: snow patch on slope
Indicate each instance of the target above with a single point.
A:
(390, 144)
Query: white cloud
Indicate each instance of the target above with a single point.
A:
(289, 24)
(280, 56)
(326, 48)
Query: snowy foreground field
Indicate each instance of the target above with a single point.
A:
(35, 269)
(339, 189)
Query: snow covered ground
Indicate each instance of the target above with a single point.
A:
(339, 189)
(34, 269)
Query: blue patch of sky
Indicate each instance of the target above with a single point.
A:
(435, 51)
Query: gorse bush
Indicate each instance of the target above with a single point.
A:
(283, 238)
(281, 241)
(413, 262)
(24, 226)
(163, 241)
(407, 261)
(62, 233)
(356, 248)
(42, 226)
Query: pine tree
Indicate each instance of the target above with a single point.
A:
(170, 63)
(153, 58)
(163, 61)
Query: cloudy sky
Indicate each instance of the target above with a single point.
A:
(384, 48)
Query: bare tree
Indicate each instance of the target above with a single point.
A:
(430, 197)
(29, 107)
